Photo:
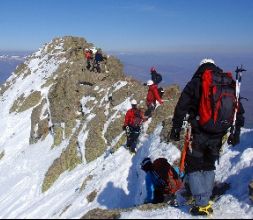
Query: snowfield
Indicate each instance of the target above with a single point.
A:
(115, 180)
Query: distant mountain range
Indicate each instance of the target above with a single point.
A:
(9, 61)
(10, 58)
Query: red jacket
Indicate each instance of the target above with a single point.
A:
(153, 95)
(88, 55)
(134, 118)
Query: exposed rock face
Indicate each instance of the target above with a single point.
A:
(92, 196)
(1, 155)
(82, 110)
(39, 128)
(22, 103)
(102, 214)
(116, 213)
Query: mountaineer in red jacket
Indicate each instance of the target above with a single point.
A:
(133, 121)
(152, 97)
(89, 57)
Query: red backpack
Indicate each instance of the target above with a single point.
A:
(217, 102)
(168, 174)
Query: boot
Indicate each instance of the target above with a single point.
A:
(201, 210)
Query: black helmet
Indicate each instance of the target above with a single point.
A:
(146, 164)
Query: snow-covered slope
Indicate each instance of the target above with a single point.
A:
(40, 177)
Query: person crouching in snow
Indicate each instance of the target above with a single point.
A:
(162, 181)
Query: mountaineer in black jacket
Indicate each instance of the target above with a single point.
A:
(155, 76)
(205, 147)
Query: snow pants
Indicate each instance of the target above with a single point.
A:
(200, 165)
(201, 185)
(132, 137)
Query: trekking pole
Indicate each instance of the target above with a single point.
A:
(187, 142)
(239, 72)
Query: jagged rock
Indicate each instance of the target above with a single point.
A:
(39, 128)
(85, 182)
(22, 104)
(68, 160)
(95, 144)
(58, 135)
(116, 213)
(91, 197)
(150, 206)
(4, 88)
(102, 214)
(63, 100)
(17, 103)
(2, 155)
(21, 69)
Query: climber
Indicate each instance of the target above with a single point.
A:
(89, 57)
(152, 97)
(162, 181)
(133, 121)
(155, 76)
(98, 59)
(209, 99)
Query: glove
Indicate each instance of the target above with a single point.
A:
(123, 127)
(234, 139)
(175, 134)
(145, 84)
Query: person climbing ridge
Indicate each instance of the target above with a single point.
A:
(157, 79)
(155, 76)
(152, 97)
(89, 57)
(97, 61)
(132, 125)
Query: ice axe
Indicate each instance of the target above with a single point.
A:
(239, 72)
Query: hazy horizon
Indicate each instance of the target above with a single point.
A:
(176, 68)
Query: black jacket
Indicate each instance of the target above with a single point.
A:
(205, 146)
(99, 57)
(156, 77)
(190, 99)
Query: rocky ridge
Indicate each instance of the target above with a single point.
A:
(80, 109)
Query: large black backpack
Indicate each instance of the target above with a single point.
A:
(217, 102)
(157, 78)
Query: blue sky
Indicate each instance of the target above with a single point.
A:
(130, 25)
